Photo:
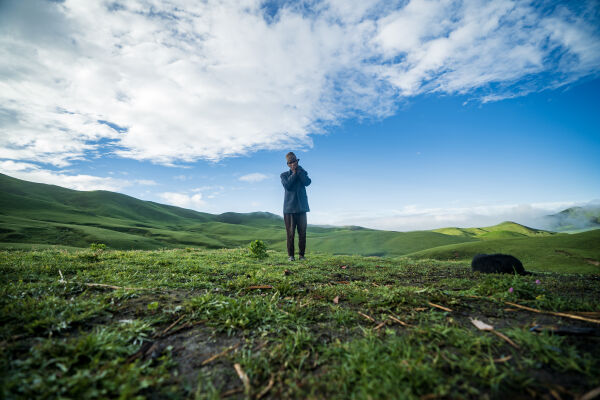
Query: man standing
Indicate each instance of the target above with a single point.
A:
(295, 204)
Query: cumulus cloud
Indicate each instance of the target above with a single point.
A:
(34, 173)
(183, 80)
(253, 177)
(184, 200)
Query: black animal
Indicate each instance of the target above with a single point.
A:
(498, 264)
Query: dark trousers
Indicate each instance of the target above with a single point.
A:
(292, 222)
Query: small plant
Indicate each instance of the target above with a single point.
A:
(258, 249)
(98, 246)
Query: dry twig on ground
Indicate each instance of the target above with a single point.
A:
(366, 316)
(213, 358)
(558, 314)
(438, 306)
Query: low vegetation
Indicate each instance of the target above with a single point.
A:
(194, 323)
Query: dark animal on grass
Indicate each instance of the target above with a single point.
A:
(498, 264)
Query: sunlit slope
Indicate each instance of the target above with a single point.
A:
(47, 214)
(504, 230)
(48, 202)
(375, 243)
(559, 253)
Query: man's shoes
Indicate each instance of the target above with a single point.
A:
(291, 258)
(301, 258)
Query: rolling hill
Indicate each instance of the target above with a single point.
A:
(504, 230)
(558, 253)
(34, 215)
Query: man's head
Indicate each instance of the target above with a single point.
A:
(292, 161)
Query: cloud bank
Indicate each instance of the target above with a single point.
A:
(412, 218)
(179, 81)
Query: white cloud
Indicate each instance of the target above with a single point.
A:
(146, 182)
(33, 173)
(413, 217)
(215, 188)
(184, 80)
(253, 177)
(183, 200)
(210, 192)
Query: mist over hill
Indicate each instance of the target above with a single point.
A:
(575, 219)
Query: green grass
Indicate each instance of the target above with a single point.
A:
(558, 253)
(374, 243)
(304, 337)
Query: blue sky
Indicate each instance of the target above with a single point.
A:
(407, 115)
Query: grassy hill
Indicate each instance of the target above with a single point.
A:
(560, 252)
(39, 214)
(375, 243)
(504, 230)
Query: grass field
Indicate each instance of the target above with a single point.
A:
(558, 253)
(208, 324)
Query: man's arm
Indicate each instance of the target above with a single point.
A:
(303, 176)
(288, 180)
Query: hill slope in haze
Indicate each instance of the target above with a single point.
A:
(575, 219)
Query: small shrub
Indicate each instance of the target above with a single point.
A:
(258, 249)
(98, 246)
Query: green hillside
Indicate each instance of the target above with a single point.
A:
(561, 252)
(39, 214)
(375, 243)
(504, 230)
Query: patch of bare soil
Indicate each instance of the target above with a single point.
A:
(194, 347)
(201, 348)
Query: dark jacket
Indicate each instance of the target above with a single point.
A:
(295, 200)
